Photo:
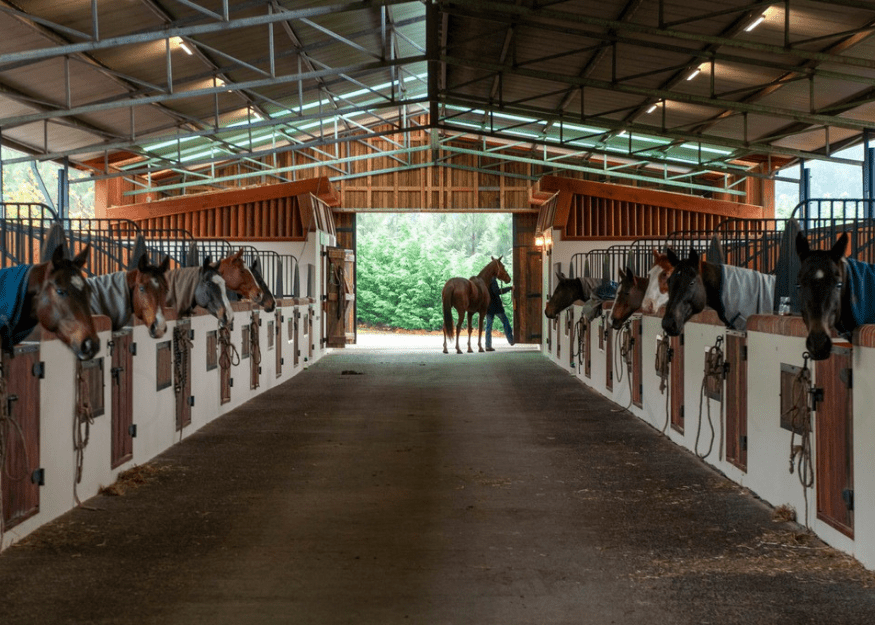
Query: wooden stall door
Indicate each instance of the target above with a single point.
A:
(122, 374)
(277, 340)
(834, 435)
(608, 331)
(528, 310)
(587, 350)
(20, 492)
(340, 296)
(677, 383)
(736, 400)
(182, 373)
(254, 350)
(637, 362)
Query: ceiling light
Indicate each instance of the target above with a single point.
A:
(179, 42)
(651, 109)
(755, 23)
(694, 73)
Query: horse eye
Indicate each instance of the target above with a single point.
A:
(142, 289)
(61, 292)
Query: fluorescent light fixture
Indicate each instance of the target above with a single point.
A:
(755, 23)
(651, 109)
(694, 73)
(186, 48)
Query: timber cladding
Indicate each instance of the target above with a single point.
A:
(593, 210)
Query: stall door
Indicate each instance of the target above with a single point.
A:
(637, 362)
(182, 373)
(834, 435)
(254, 350)
(339, 306)
(677, 383)
(736, 400)
(122, 374)
(18, 481)
(608, 331)
(277, 340)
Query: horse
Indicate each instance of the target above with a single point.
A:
(239, 278)
(140, 292)
(630, 294)
(834, 293)
(656, 295)
(733, 292)
(568, 291)
(470, 296)
(53, 294)
(268, 301)
(199, 286)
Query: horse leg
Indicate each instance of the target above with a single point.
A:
(459, 329)
(470, 329)
(480, 334)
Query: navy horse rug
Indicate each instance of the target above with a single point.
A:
(13, 290)
(860, 279)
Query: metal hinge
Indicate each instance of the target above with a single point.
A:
(742, 441)
(848, 497)
(191, 400)
(846, 375)
(744, 353)
(39, 370)
(132, 430)
(38, 477)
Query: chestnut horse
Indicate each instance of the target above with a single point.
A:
(568, 291)
(53, 294)
(656, 295)
(239, 278)
(630, 294)
(835, 293)
(140, 292)
(470, 296)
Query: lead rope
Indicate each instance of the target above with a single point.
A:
(182, 346)
(715, 371)
(580, 333)
(624, 342)
(799, 413)
(228, 354)
(664, 354)
(254, 345)
(83, 419)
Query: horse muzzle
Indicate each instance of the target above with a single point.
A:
(819, 346)
(87, 349)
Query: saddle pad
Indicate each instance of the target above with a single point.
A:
(110, 296)
(745, 292)
(861, 280)
(13, 289)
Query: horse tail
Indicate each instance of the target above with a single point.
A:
(447, 297)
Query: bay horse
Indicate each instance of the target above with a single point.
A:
(140, 292)
(630, 294)
(835, 293)
(733, 292)
(268, 301)
(656, 295)
(53, 294)
(199, 286)
(568, 291)
(470, 296)
(239, 278)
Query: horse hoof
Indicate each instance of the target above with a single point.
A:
(458, 351)
(445, 351)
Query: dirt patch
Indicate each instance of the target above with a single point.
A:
(135, 477)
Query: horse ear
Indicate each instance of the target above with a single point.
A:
(630, 273)
(560, 275)
(143, 262)
(207, 262)
(255, 264)
(655, 254)
(82, 257)
(672, 257)
(838, 250)
(694, 256)
(802, 248)
(165, 264)
(58, 255)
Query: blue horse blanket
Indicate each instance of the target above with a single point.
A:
(13, 289)
(861, 281)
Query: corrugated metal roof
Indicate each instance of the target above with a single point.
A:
(576, 77)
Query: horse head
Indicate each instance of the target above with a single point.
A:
(686, 292)
(268, 301)
(630, 294)
(821, 277)
(211, 294)
(62, 302)
(656, 294)
(239, 278)
(566, 292)
(148, 287)
(498, 267)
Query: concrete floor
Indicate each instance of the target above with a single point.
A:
(396, 484)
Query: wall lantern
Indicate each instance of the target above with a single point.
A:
(539, 241)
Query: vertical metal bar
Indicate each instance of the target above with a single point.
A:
(432, 49)
(95, 27)
(169, 66)
(787, 24)
(2, 189)
(225, 10)
(270, 45)
(67, 91)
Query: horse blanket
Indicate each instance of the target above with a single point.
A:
(13, 290)
(110, 296)
(183, 285)
(745, 292)
(861, 282)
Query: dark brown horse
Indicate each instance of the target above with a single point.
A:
(268, 301)
(140, 292)
(827, 281)
(470, 296)
(568, 291)
(630, 294)
(53, 294)
(239, 278)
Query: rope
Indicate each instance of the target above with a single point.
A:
(580, 333)
(83, 419)
(664, 354)
(182, 347)
(799, 413)
(228, 354)
(254, 347)
(623, 343)
(714, 371)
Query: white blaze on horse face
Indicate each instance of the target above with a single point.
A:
(217, 279)
(77, 282)
(818, 275)
(654, 299)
